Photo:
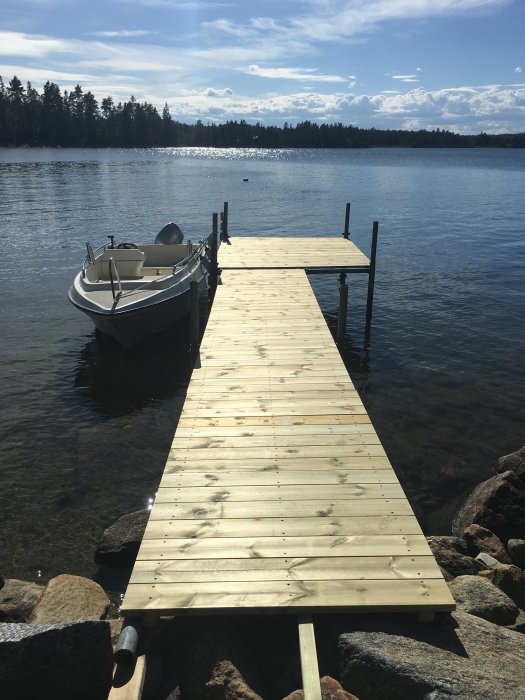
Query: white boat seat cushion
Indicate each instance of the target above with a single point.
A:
(129, 262)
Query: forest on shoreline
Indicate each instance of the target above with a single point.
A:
(76, 119)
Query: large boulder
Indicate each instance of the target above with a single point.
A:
(69, 598)
(479, 539)
(516, 549)
(49, 662)
(515, 461)
(121, 541)
(17, 600)
(511, 580)
(497, 504)
(451, 555)
(464, 657)
(478, 596)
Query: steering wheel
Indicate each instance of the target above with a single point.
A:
(127, 246)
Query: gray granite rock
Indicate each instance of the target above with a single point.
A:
(487, 560)
(68, 598)
(497, 504)
(391, 658)
(17, 600)
(457, 544)
(121, 541)
(479, 539)
(516, 550)
(451, 555)
(477, 596)
(515, 461)
(511, 580)
(519, 623)
(51, 662)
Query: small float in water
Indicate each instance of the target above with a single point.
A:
(131, 291)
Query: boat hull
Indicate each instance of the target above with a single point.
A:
(132, 325)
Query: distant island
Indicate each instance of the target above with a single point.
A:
(75, 119)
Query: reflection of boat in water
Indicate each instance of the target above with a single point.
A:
(131, 291)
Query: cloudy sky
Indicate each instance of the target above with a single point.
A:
(453, 64)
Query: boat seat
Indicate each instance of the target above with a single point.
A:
(129, 262)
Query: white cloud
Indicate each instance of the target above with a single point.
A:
(214, 92)
(123, 33)
(467, 109)
(406, 78)
(310, 74)
(517, 69)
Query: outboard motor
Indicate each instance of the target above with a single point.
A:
(169, 235)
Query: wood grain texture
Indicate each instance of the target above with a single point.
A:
(308, 654)
(277, 494)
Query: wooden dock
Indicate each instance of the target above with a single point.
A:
(277, 494)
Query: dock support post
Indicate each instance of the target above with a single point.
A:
(214, 273)
(224, 224)
(346, 232)
(371, 278)
(194, 317)
(342, 311)
(309, 664)
(131, 666)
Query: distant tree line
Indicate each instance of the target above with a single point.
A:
(75, 119)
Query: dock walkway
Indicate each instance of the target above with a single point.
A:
(277, 494)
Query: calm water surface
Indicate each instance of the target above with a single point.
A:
(85, 426)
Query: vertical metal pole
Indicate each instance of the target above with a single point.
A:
(346, 232)
(194, 316)
(371, 277)
(213, 256)
(342, 311)
(224, 223)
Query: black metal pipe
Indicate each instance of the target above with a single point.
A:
(212, 279)
(128, 641)
(371, 275)
(346, 233)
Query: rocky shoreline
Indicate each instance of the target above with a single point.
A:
(56, 641)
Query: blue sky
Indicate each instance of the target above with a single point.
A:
(452, 64)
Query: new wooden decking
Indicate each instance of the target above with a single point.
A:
(277, 494)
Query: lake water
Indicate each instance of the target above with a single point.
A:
(85, 426)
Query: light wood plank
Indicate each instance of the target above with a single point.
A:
(278, 430)
(276, 492)
(271, 596)
(212, 479)
(319, 507)
(328, 419)
(255, 547)
(338, 440)
(308, 654)
(186, 462)
(276, 452)
(278, 527)
(287, 569)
